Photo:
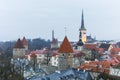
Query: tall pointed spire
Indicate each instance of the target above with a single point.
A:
(82, 22)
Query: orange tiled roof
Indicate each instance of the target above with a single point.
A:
(97, 66)
(18, 44)
(24, 41)
(116, 58)
(78, 53)
(90, 46)
(115, 50)
(33, 55)
(65, 46)
(100, 50)
(54, 54)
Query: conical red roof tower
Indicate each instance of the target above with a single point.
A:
(24, 41)
(65, 46)
(18, 44)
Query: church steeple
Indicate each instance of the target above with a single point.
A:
(82, 30)
(82, 22)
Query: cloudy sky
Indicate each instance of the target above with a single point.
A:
(37, 18)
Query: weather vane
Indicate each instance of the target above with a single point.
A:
(65, 30)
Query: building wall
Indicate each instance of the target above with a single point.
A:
(54, 61)
(65, 61)
(83, 35)
(54, 45)
(40, 58)
(18, 53)
(80, 48)
(110, 47)
(114, 72)
(76, 62)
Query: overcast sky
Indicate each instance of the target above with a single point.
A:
(37, 18)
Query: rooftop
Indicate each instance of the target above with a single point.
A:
(65, 47)
(18, 44)
(24, 41)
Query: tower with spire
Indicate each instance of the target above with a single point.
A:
(82, 30)
(65, 56)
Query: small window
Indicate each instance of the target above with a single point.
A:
(68, 54)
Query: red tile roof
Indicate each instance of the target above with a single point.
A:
(24, 41)
(65, 46)
(98, 66)
(54, 54)
(115, 50)
(18, 44)
(78, 53)
(94, 46)
(116, 58)
(90, 46)
(38, 52)
(100, 50)
(33, 55)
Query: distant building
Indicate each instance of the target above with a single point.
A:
(68, 74)
(106, 47)
(54, 43)
(18, 49)
(40, 56)
(83, 33)
(82, 30)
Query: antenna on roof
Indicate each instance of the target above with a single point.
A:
(65, 30)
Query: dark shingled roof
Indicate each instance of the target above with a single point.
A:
(105, 46)
(80, 43)
(18, 44)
